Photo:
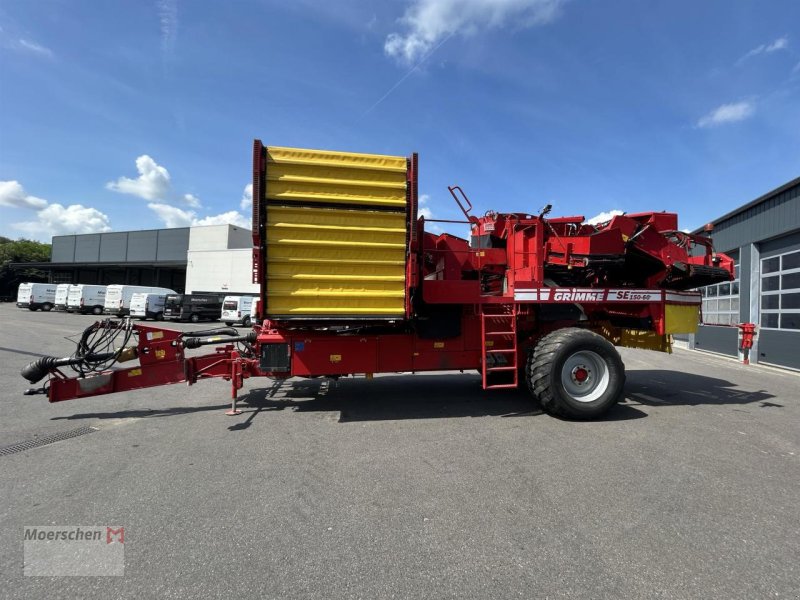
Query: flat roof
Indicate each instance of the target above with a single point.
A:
(753, 203)
(94, 265)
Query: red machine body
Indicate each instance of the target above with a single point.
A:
(488, 303)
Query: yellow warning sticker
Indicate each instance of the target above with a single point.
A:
(489, 343)
(155, 335)
(160, 353)
(134, 372)
(438, 344)
(336, 358)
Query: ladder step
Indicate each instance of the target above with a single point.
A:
(493, 369)
(501, 386)
(502, 351)
(500, 332)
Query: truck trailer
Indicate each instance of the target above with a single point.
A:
(351, 282)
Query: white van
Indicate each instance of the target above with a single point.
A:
(85, 298)
(148, 306)
(255, 312)
(62, 294)
(118, 297)
(36, 296)
(236, 309)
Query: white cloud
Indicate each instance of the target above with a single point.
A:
(153, 182)
(56, 219)
(168, 24)
(13, 194)
(192, 200)
(35, 48)
(727, 113)
(422, 210)
(231, 217)
(780, 44)
(247, 197)
(51, 219)
(172, 216)
(604, 216)
(430, 22)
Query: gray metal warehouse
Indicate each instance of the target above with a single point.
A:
(150, 257)
(209, 258)
(763, 238)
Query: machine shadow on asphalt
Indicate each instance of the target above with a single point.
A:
(144, 413)
(395, 398)
(676, 388)
(404, 397)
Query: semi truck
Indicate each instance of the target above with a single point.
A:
(352, 282)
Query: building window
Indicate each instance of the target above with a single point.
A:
(62, 277)
(780, 291)
(721, 302)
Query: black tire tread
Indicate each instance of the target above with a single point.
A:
(539, 365)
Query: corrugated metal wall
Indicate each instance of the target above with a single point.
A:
(775, 216)
(336, 233)
(155, 245)
(770, 226)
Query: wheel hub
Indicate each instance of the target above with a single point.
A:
(585, 376)
(580, 374)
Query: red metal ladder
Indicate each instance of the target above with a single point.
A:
(499, 341)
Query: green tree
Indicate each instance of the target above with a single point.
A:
(20, 251)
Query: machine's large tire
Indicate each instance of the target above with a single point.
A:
(575, 373)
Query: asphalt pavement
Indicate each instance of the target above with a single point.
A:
(410, 486)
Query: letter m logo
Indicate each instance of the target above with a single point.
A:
(111, 532)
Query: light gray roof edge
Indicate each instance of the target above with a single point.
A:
(752, 203)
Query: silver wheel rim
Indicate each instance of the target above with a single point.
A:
(585, 376)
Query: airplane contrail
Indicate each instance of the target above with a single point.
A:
(407, 75)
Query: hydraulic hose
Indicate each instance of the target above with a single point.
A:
(38, 369)
(231, 331)
(196, 342)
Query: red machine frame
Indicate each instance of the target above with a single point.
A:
(479, 304)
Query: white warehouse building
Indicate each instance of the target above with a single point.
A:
(211, 258)
(219, 259)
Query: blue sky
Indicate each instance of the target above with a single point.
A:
(132, 115)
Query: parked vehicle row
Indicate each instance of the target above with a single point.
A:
(118, 297)
(141, 302)
(84, 298)
(193, 307)
(36, 296)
